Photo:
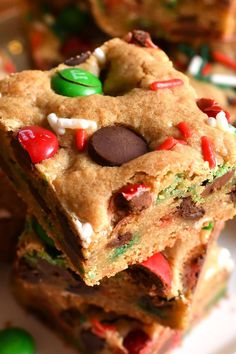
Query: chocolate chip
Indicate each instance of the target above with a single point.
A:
(92, 344)
(232, 195)
(140, 38)
(136, 204)
(116, 145)
(148, 280)
(231, 101)
(28, 272)
(121, 240)
(218, 183)
(189, 210)
(70, 316)
(78, 59)
(78, 287)
(192, 268)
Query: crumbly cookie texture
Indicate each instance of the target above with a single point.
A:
(136, 185)
(158, 290)
(172, 20)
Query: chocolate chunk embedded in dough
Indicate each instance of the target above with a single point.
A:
(217, 183)
(78, 59)
(121, 240)
(232, 195)
(92, 343)
(116, 145)
(189, 210)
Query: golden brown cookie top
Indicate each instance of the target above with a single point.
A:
(144, 101)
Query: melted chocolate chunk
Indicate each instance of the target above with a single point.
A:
(21, 155)
(78, 59)
(148, 280)
(121, 240)
(193, 267)
(232, 195)
(157, 306)
(28, 272)
(217, 183)
(116, 145)
(189, 210)
(136, 204)
(70, 316)
(92, 344)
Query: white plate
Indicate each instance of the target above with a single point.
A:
(214, 335)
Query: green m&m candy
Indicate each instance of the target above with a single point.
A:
(73, 82)
(16, 341)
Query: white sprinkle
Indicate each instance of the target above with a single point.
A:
(222, 122)
(100, 55)
(195, 65)
(220, 79)
(86, 232)
(212, 122)
(224, 260)
(60, 124)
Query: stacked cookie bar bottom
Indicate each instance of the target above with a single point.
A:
(44, 285)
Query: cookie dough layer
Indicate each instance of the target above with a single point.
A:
(161, 294)
(75, 197)
(12, 218)
(91, 330)
(173, 20)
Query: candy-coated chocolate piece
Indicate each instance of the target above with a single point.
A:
(133, 190)
(159, 265)
(40, 143)
(73, 82)
(16, 341)
(136, 341)
(211, 107)
(116, 145)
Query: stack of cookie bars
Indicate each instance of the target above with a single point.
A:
(128, 185)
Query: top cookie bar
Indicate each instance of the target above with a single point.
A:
(152, 167)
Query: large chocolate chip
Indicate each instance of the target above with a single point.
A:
(92, 344)
(217, 183)
(70, 316)
(189, 210)
(78, 59)
(120, 240)
(116, 145)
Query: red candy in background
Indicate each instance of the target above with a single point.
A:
(159, 265)
(136, 341)
(40, 143)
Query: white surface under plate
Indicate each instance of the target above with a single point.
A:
(214, 335)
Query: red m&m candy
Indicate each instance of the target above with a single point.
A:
(40, 143)
(159, 265)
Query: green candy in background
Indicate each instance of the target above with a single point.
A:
(73, 82)
(16, 341)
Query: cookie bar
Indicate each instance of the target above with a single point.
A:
(171, 20)
(158, 290)
(116, 177)
(92, 330)
(12, 218)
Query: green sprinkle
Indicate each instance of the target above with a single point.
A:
(122, 249)
(205, 52)
(42, 234)
(91, 275)
(209, 227)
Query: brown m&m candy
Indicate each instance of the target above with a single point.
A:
(116, 145)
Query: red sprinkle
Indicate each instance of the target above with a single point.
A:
(132, 190)
(149, 43)
(156, 85)
(136, 341)
(206, 69)
(100, 329)
(170, 142)
(40, 143)
(159, 265)
(184, 129)
(81, 139)
(211, 107)
(223, 59)
(207, 151)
